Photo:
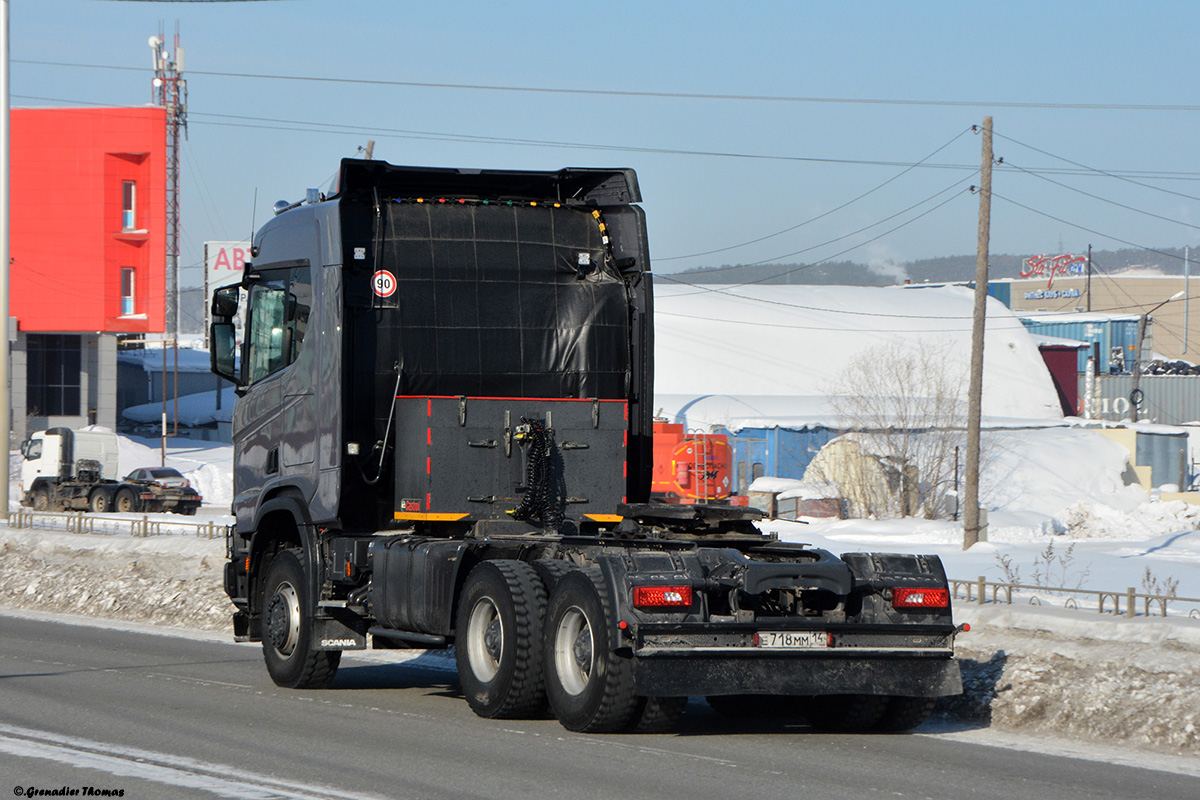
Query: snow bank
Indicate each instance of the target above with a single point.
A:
(194, 409)
(794, 341)
(1030, 475)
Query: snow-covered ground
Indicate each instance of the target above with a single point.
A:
(1060, 515)
(1059, 512)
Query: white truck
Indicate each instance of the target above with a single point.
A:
(66, 469)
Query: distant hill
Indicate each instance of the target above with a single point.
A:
(1168, 260)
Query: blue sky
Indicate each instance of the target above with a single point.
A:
(906, 67)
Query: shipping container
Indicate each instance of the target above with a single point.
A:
(778, 452)
(1167, 399)
(1115, 334)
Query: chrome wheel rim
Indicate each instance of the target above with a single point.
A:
(574, 649)
(485, 640)
(283, 619)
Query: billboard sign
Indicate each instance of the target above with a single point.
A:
(224, 263)
(1050, 266)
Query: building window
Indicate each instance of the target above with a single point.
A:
(128, 279)
(129, 206)
(52, 376)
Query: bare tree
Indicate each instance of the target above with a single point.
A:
(904, 403)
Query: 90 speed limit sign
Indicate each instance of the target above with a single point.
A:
(384, 283)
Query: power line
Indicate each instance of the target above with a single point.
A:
(1106, 173)
(995, 324)
(306, 126)
(895, 177)
(758, 98)
(1104, 199)
(1086, 229)
(835, 255)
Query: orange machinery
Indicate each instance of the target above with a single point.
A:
(690, 467)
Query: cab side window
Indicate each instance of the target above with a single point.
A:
(279, 307)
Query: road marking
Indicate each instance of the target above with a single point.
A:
(172, 770)
(197, 681)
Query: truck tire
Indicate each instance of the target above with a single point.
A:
(287, 628)
(846, 712)
(905, 713)
(124, 501)
(41, 500)
(589, 686)
(551, 571)
(498, 640)
(98, 502)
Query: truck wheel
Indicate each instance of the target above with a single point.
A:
(552, 571)
(498, 644)
(657, 714)
(905, 713)
(287, 628)
(590, 687)
(41, 500)
(123, 502)
(99, 502)
(846, 712)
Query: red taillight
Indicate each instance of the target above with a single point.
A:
(905, 597)
(661, 596)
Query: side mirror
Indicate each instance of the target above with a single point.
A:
(224, 351)
(225, 301)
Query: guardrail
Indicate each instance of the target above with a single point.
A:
(1106, 601)
(972, 591)
(81, 522)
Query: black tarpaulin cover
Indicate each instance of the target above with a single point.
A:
(502, 301)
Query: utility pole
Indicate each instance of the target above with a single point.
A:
(5, 396)
(1135, 394)
(1089, 279)
(971, 511)
(1187, 274)
(170, 92)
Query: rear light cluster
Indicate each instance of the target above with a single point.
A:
(662, 596)
(906, 597)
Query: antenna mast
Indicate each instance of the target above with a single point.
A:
(170, 92)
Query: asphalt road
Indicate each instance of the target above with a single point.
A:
(161, 716)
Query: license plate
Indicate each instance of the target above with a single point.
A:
(792, 640)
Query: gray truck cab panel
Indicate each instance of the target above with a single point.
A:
(287, 423)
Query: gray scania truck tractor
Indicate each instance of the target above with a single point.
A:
(443, 437)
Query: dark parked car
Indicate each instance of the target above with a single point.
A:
(163, 476)
(162, 489)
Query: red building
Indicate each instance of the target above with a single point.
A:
(88, 219)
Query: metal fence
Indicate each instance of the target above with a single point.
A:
(1104, 601)
(972, 591)
(80, 522)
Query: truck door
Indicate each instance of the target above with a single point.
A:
(275, 418)
(42, 456)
